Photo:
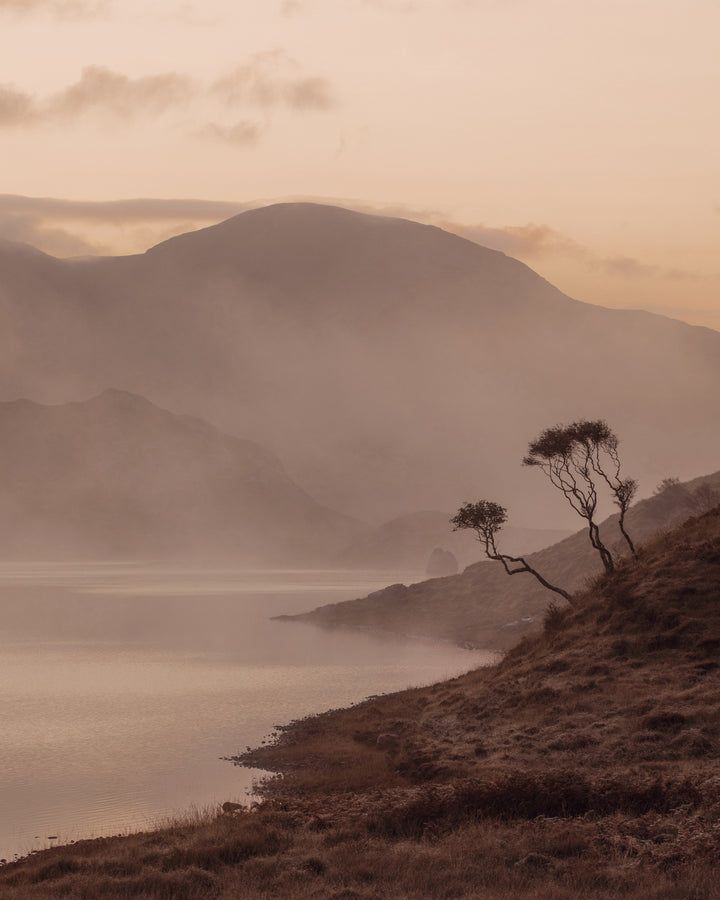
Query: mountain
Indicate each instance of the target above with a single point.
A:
(392, 365)
(485, 607)
(116, 476)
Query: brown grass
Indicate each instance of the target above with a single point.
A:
(584, 764)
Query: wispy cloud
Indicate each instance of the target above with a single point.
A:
(519, 240)
(67, 9)
(117, 212)
(102, 89)
(273, 79)
(16, 107)
(267, 81)
(66, 227)
(291, 7)
(33, 230)
(98, 90)
(531, 242)
(629, 268)
(241, 134)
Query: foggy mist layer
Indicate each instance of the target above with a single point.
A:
(392, 366)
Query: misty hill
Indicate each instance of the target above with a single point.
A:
(485, 607)
(406, 543)
(394, 366)
(116, 476)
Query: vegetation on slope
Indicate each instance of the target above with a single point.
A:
(585, 763)
(483, 607)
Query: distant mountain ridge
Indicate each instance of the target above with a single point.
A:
(116, 476)
(392, 365)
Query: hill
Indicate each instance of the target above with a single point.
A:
(394, 367)
(483, 606)
(116, 476)
(583, 764)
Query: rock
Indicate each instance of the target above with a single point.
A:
(230, 809)
(442, 562)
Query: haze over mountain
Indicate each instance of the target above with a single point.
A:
(116, 476)
(392, 366)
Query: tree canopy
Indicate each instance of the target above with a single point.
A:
(578, 458)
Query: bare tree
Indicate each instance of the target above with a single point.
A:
(486, 518)
(576, 458)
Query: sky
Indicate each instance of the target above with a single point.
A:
(581, 138)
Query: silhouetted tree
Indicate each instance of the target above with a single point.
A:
(486, 519)
(576, 458)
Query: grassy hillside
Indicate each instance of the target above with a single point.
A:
(583, 764)
(484, 607)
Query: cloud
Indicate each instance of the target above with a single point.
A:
(628, 268)
(241, 134)
(16, 107)
(268, 81)
(70, 9)
(272, 79)
(70, 228)
(402, 6)
(309, 93)
(532, 241)
(30, 229)
(117, 212)
(98, 90)
(519, 240)
(102, 89)
(292, 7)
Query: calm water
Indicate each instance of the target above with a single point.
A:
(122, 686)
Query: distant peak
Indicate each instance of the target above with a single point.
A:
(20, 248)
(120, 396)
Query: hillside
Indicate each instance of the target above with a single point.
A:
(393, 366)
(116, 476)
(483, 606)
(583, 764)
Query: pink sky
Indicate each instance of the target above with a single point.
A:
(582, 138)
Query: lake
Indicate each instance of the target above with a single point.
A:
(123, 686)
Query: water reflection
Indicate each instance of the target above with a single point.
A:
(122, 686)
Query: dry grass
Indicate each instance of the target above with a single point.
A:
(585, 763)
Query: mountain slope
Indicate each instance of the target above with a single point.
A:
(483, 606)
(118, 476)
(637, 657)
(394, 366)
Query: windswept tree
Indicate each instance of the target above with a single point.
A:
(486, 519)
(577, 459)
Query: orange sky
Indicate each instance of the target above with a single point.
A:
(582, 138)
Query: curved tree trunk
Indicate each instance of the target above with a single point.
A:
(524, 567)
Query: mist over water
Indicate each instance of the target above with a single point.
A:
(123, 685)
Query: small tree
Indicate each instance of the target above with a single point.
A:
(576, 458)
(486, 519)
